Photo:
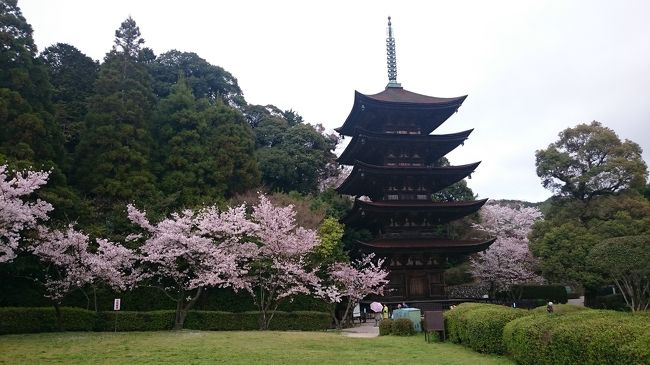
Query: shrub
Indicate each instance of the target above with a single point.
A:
(454, 324)
(581, 337)
(385, 327)
(135, 321)
(402, 327)
(39, 319)
(485, 325)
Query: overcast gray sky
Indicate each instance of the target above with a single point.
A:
(531, 68)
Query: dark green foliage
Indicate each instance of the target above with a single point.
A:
(73, 76)
(386, 327)
(205, 150)
(402, 327)
(547, 293)
(583, 337)
(222, 321)
(571, 228)
(625, 261)
(135, 321)
(34, 320)
(300, 321)
(39, 319)
(590, 160)
(205, 80)
(293, 156)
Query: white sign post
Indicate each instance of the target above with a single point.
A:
(116, 307)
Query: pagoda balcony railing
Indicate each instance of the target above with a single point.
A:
(407, 197)
(410, 234)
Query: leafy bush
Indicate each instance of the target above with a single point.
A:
(39, 319)
(454, 324)
(402, 327)
(385, 327)
(484, 327)
(581, 337)
(135, 321)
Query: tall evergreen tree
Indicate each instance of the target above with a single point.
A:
(206, 149)
(113, 156)
(73, 76)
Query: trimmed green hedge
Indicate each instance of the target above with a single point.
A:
(33, 320)
(135, 321)
(38, 319)
(485, 327)
(455, 325)
(581, 337)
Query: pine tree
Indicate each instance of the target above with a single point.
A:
(113, 156)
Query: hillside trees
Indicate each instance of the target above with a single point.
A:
(73, 76)
(292, 155)
(205, 150)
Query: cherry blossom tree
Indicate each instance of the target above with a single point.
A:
(508, 261)
(280, 269)
(188, 252)
(70, 263)
(16, 213)
(352, 282)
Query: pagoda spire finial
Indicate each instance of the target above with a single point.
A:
(391, 59)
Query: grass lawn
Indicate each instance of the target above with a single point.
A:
(200, 347)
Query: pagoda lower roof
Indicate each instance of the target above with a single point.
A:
(431, 245)
(427, 111)
(366, 145)
(369, 212)
(366, 179)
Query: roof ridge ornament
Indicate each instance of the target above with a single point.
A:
(391, 59)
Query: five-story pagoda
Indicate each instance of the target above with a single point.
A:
(397, 167)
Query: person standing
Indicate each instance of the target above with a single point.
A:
(385, 312)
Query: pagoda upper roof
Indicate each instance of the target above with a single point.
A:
(366, 145)
(430, 245)
(365, 179)
(436, 212)
(395, 103)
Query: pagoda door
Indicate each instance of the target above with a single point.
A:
(417, 286)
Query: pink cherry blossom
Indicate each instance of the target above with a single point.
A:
(16, 213)
(508, 261)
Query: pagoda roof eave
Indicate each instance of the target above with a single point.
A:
(354, 181)
(399, 99)
(367, 138)
(364, 211)
(428, 245)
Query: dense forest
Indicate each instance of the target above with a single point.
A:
(166, 131)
